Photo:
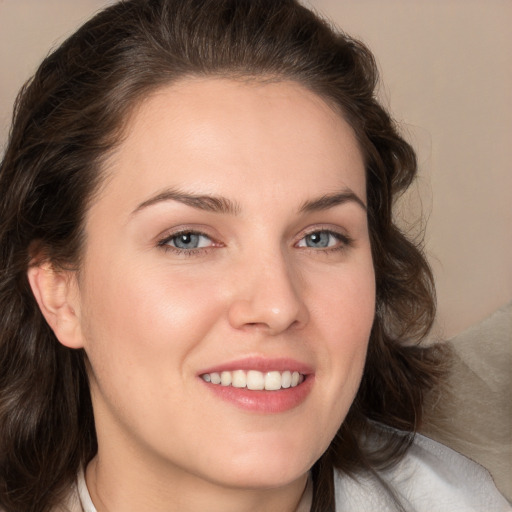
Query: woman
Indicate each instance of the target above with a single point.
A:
(205, 302)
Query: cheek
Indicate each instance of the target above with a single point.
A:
(140, 317)
(344, 315)
(343, 304)
(143, 330)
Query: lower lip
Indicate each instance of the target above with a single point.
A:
(269, 402)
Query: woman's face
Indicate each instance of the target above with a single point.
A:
(229, 242)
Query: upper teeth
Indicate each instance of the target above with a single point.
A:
(255, 380)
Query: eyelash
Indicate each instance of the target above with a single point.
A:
(345, 242)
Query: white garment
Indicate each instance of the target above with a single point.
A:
(83, 493)
(430, 478)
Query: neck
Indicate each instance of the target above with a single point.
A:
(131, 488)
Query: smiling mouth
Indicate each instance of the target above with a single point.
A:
(255, 380)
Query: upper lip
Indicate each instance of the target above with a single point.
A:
(261, 364)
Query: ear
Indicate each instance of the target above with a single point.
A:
(56, 293)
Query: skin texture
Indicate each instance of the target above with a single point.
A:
(152, 319)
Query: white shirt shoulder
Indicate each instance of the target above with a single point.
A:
(430, 478)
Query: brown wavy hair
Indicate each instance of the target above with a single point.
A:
(67, 120)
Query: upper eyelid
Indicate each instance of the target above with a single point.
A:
(330, 231)
(196, 230)
(338, 231)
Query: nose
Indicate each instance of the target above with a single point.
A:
(267, 296)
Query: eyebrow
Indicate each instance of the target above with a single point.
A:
(330, 200)
(218, 204)
(207, 203)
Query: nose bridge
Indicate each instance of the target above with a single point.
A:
(267, 292)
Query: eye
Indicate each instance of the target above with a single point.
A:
(187, 240)
(323, 240)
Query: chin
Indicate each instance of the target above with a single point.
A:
(267, 467)
(262, 476)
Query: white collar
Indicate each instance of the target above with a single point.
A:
(83, 493)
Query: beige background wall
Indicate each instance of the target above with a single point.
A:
(447, 74)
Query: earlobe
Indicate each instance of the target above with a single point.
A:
(56, 294)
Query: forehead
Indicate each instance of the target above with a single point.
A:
(231, 137)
